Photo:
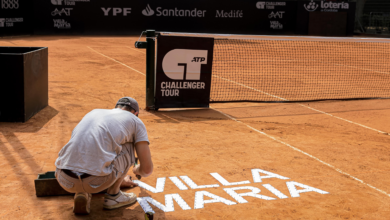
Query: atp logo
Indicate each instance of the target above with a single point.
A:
(198, 59)
(148, 11)
(182, 64)
(312, 6)
(56, 2)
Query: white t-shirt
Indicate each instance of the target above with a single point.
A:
(98, 139)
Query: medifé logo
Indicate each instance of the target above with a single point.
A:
(148, 11)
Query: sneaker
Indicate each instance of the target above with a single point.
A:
(122, 199)
(82, 203)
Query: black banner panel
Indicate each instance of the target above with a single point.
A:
(325, 10)
(16, 17)
(328, 24)
(132, 17)
(183, 71)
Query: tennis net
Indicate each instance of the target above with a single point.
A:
(282, 69)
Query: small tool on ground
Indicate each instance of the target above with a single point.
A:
(149, 216)
(136, 163)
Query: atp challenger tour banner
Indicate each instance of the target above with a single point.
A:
(183, 71)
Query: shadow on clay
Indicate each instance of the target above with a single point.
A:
(17, 166)
(186, 115)
(133, 211)
(33, 125)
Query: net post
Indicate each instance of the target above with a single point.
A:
(150, 68)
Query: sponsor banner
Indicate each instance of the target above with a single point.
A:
(132, 17)
(15, 17)
(275, 17)
(183, 71)
(304, 8)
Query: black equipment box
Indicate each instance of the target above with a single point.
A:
(24, 83)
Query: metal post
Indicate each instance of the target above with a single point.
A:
(150, 68)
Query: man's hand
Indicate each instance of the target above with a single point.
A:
(145, 168)
(127, 182)
(135, 170)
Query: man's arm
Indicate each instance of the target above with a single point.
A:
(145, 168)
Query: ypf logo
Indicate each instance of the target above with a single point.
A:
(56, 2)
(148, 11)
(312, 6)
(182, 64)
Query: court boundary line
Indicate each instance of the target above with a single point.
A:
(136, 50)
(117, 61)
(346, 120)
(301, 151)
(271, 137)
(171, 118)
(121, 47)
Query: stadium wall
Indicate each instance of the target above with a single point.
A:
(123, 17)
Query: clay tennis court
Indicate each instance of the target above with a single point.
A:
(340, 148)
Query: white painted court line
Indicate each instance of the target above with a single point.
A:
(373, 129)
(296, 149)
(171, 118)
(344, 119)
(248, 87)
(117, 61)
(139, 50)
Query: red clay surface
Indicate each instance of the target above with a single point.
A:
(197, 142)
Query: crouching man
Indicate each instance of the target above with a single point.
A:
(100, 153)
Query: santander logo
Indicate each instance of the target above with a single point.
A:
(148, 11)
